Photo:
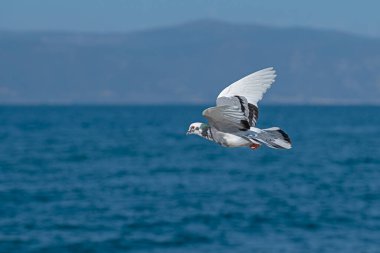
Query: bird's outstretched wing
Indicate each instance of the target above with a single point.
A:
(228, 119)
(236, 106)
(240, 103)
(252, 87)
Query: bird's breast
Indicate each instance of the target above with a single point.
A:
(229, 140)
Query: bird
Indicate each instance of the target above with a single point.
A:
(232, 122)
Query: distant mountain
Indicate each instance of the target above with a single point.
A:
(189, 63)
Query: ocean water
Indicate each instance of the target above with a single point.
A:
(128, 179)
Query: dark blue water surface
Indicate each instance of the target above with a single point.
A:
(128, 179)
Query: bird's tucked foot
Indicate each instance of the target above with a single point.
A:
(254, 146)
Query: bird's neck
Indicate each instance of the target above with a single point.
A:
(206, 132)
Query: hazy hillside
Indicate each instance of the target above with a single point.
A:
(190, 63)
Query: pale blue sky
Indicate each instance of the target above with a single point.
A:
(359, 17)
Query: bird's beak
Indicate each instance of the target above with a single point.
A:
(187, 133)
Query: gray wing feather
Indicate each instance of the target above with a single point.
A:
(250, 111)
(227, 118)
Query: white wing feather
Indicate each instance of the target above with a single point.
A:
(252, 86)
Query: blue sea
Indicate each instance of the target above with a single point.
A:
(128, 179)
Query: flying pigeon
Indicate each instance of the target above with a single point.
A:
(232, 122)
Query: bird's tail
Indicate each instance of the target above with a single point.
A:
(273, 137)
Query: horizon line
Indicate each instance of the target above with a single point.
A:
(174, 104)
(180, 24)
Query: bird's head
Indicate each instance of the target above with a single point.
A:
(197, 128)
